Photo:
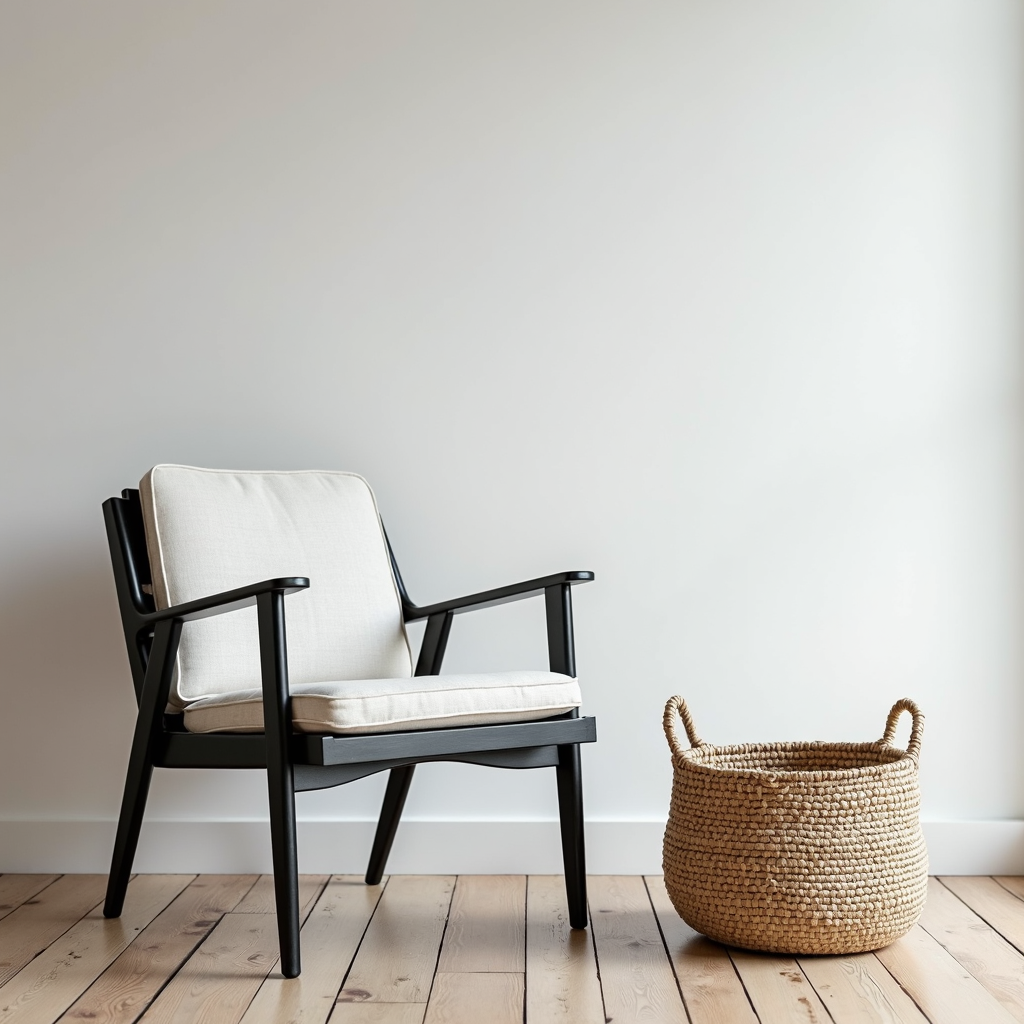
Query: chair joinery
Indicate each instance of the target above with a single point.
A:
(298, 762)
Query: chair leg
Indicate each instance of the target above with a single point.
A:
(390, 814)
(148, 727)
(129, 825)
(277, 723)
(570, 815)
(286, 867)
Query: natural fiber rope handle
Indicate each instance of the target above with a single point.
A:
(916, 729)
(676, 706)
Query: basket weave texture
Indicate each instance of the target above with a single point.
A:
(796, 847)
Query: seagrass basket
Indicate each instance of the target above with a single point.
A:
(796, 847)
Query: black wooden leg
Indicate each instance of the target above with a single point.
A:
(570, 815)
(148, 727)
(277, 722)
(129, 825)
(286, 866)
(562, 658)
(387, 826)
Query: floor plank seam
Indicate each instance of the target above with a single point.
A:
(996, 879)
(980, 914)
(668, 953)
(597, 963)
(36, 895)
(942, 963)
(359, 944)
(960, 899)
(526, 946)
(10, 908)
(35, 956)
(440, 948)
(258, 987)
(821, 998)
(200, 939)
(184, 960)
(750, 1002)
(124, 952)
(909, 994)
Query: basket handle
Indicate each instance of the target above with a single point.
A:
(676, 705)
(916, 729)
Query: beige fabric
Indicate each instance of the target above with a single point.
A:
(385, 705)
(210, 530)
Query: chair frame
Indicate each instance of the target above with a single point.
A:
(298, 762)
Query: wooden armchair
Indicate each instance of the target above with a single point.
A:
(334, 700)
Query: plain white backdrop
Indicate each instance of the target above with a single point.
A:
(720, 300)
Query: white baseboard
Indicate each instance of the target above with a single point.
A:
(975, 847)
(325, 847)
(431, 847)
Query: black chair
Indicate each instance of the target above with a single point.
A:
(303, 746)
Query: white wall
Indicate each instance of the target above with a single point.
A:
(717, 299)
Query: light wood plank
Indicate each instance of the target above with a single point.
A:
(261, 900)
(778, 989)
(395, 963)
(977, 946)
(378, 1013)
(133, 980)
(561, 970)
(219, 980)
(711, 988)
(636, 976)
(1012, 883)
(330, 938)
(50, 983)
(475, 998)
(39, 921)
(955, 964)
(992, 902)
(485, 930)
(16, 889)
(858, 988)
(945, 991)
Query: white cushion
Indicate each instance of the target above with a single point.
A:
(211, 530)
(386, 705)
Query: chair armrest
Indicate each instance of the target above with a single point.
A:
(229, 601)
(502, 595)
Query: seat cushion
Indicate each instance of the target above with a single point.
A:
(400, 704)
(210, 530)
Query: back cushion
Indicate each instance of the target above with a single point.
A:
(211, 530)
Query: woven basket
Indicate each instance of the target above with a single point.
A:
(796, 847)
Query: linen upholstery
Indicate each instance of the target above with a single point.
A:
(208, 531)
(386, 705)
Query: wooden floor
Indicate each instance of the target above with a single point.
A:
(480, 950)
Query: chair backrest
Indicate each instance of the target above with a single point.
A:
(210, 530)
